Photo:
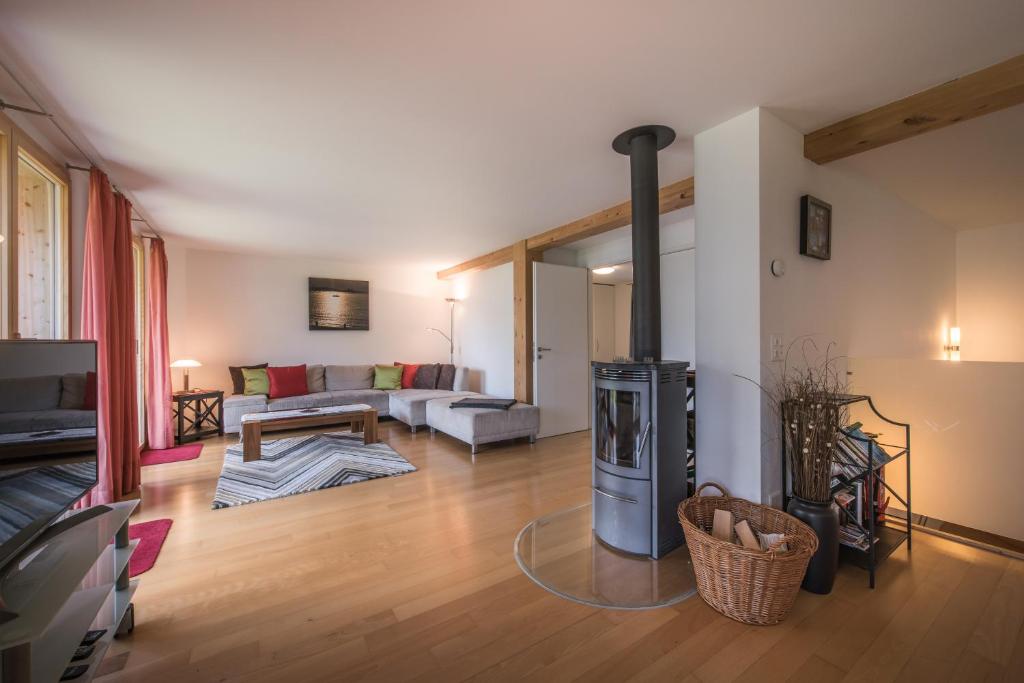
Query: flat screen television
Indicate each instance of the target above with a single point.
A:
(47, 435)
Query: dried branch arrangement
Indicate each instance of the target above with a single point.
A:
(809, 395)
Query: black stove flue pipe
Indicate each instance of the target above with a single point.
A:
(642, 145)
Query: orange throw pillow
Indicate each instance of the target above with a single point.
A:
(408, 374)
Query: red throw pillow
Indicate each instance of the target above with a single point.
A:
(89, 403)
(287, 381)
(408, 374)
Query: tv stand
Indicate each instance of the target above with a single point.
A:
(74, 578)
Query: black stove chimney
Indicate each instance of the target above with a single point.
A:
(642, 145)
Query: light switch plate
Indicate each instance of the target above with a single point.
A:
(777, 353)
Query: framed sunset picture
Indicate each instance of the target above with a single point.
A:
(339, 304)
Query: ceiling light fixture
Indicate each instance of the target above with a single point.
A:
(606, 270)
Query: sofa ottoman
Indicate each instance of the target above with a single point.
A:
(477, 426)
(410, 405)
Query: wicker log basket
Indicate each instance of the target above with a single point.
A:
(751, 586)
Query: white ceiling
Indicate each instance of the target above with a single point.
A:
(623, 274)
(967, 176)
(435, 131)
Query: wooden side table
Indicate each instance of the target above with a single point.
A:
(198, 414)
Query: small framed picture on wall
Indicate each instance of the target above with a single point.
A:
(815, 228)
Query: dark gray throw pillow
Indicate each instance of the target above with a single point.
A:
(426, 377)
(72, 391)
(237, 381)
(446, 377)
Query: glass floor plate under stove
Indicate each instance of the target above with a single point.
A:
(561, 554)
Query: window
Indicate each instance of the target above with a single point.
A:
(139, 270)
(35, 264)
(41, 252)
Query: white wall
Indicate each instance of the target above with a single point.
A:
(889, 290)
(727, 321)
(676, 233)
(241, 309)
(990, 293)
(623, 316)
(676, 241)
(965, 436)
(484, 329)
(678, 306)
(602, 322)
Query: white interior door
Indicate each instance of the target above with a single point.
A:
(561, 368)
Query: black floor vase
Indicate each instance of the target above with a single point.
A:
(824, 519)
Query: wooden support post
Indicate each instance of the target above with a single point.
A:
(522, 288)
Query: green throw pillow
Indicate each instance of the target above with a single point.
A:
(256, 381)
(387, 377)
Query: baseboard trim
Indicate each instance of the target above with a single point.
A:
(932, 526)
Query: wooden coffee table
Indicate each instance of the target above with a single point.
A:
(359, 415)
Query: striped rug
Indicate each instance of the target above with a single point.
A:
(301, 464)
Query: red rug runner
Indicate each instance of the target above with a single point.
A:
(177, 454)
(151, 536)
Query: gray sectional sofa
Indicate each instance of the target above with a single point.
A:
(338, 385)
(341, 385)
(37, 404)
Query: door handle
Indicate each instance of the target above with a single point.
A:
(542, 348)
(643, 442)
(621, 499)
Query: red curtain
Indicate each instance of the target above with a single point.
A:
(108, 312)
(159, 429)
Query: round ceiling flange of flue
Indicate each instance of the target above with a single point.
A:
(663, 136)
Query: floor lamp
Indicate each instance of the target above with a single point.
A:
(451, 329)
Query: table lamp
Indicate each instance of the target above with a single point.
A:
(186, 363)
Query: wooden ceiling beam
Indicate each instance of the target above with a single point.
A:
(982, 92)
(670, 197)
(495, 258)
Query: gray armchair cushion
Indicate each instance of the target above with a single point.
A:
(29, 393)
(426, 377)
(345, 377)
(316, 380)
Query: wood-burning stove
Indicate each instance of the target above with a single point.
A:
(639, 411)
(639, 446)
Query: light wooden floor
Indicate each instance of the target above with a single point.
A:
(412, 578)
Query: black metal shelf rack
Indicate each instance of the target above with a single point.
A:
(882, 539)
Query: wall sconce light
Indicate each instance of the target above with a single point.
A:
(952, 346)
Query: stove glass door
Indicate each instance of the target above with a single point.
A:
(619, 426)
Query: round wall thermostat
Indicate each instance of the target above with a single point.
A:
(778, 267)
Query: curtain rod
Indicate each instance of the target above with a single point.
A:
(41, 111)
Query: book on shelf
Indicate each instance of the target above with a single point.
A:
(865, 445)
(850, 497)
(854, 537)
